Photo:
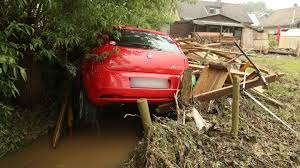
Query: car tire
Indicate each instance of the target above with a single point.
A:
(87, 112)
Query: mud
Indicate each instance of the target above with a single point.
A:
(85, 149)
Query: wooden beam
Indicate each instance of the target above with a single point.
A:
(214, 50)
(214, 94)
(201, 67)
(284, 52)
(184, 40)
(213, 45)
(275, 102)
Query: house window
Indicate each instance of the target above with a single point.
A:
(214, 10)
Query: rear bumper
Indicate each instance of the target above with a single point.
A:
(108, 86)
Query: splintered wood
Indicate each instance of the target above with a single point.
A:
(212, 77)
(214, 67)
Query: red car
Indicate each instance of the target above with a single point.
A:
(140, 63)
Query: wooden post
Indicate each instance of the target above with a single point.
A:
(70, 118)
(235, 106)
(60, 120)
(186, 85)
(145, 114)
(298, 50)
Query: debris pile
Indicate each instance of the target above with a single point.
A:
(215, 68)
(262, 140)
(261, 143)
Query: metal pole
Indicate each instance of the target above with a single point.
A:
(270, 112)
(255, 67)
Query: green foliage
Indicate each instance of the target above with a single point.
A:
(272, 41)
(10, 53)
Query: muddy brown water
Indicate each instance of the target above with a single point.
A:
(85, 149)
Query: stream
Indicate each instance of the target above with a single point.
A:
(85, 148)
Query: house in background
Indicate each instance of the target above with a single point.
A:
(226, 20)
(210, 16)
(287, 18)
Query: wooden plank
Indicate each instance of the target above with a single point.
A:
(213, 45)
(228, 90)
(212, 77)
(276, 102)
(193, 56)
(284, 52)
(232, 71)
(198, 48)
(244, 66)
(186, 46)
(252, 75)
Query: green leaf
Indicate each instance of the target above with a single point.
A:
(2, 59)
(4, 66)
(27, 29)
(23, 73)
(15, 72)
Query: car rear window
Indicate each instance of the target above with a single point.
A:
(137, 39)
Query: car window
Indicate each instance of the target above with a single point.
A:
(137, 39)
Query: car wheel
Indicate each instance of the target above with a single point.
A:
(86, 110)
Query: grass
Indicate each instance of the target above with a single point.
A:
(288, 65)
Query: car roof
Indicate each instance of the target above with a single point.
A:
(142, 30)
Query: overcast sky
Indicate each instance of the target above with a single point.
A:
(272, 4)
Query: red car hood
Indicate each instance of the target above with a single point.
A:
(148, 61)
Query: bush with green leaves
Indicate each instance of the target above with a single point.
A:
(10, 54)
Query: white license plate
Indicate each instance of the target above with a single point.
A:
(155, 83)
